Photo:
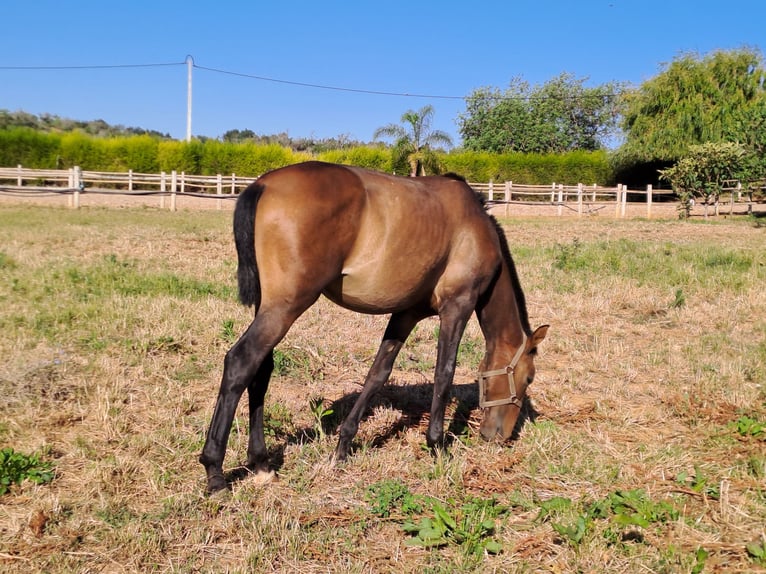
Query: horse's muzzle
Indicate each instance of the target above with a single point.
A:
(499, 422)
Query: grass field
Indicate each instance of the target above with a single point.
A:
(643, 449)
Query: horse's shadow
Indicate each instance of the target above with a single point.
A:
(412, 401)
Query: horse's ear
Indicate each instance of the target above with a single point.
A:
(539, 335)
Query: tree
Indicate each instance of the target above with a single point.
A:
(414, 142)
(559, 116)
(717, 98)
(705, 170)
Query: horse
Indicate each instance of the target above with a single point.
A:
(411, 247)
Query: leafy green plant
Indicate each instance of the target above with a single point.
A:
(553, 507)
(575, 532)
(747, 426)
(320, 412)
(277, 420)
(757, 551)
(700, 557)
(15, 467)
(698, 483)
(634, 507)
(470, 528)
(568, 257)
(386, 495)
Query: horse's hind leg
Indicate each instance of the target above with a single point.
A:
(399, 327)
(242, 369)
(257, 455)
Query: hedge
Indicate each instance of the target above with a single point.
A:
(146, 154)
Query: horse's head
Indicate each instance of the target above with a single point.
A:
(502, 391)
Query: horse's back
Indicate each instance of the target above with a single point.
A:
(372, 242)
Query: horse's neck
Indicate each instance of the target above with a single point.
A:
(500, 317)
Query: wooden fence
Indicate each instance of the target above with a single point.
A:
(504, 198)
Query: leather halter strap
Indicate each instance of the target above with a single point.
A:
(512, 399)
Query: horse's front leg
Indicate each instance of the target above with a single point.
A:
(451, 330)
(399, 327)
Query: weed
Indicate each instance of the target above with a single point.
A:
(228, 333)
(757, 551)
(749, 427)
(573, 533)
(568, 257)
(16, 467)
(390, 494)
(320, 412)
(290, 361)
(470, 352)
(679, 299)
(756, 466)
(277, 420)
(698, 483)
(470, 527)
(700, 557)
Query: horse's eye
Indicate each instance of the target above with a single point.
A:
(533, 352)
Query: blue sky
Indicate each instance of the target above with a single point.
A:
(442, 48)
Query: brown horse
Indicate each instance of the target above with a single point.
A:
(373, 243)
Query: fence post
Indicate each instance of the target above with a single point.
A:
(561, 199)
(77, 186)
(649, 199)
(624, 202)
(579, 200)
(183, 182)
(491, 191)
(731, 199)
(507, 197)
(173, 188)
(510, 191)
(19, 179)
(553, 193)
(594, 192)
(218, 191)
(163, 189)
(233, 184)
(130, 180)
(617, 198)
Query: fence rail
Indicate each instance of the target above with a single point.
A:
(503, 198)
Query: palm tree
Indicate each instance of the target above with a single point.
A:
(414, 141)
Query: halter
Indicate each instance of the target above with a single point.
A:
(512, 399)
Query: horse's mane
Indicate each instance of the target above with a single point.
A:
(521, 301)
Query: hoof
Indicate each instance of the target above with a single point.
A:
(263, 477)
(221, 495)
(216, 485)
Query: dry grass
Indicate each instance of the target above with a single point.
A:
(111, 372)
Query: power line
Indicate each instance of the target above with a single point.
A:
(92, 67)
(326, 87)
(490, 96)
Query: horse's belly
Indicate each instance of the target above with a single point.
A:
(368, 294)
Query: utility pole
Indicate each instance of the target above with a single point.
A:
(189, 66)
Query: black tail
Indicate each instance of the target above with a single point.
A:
(244, 239)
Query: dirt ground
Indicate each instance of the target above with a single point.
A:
(605, 210)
